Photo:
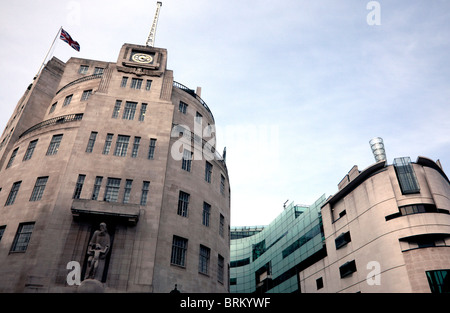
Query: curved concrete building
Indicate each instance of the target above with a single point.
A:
(121, 143)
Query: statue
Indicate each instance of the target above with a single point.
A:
(97, 250)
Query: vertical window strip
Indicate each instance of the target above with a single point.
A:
(13, 193)
(79, 186)
(206, 213)
(179, 248)
(108, 142)
(144, 194)
(127, 193)
(148, 85)
(134, 153)
(151, 150)
(183, 204)
(124, 81)
(97, 185)
(187, 160)
(208, 171)
(30, 150)
(203, 264)
(220, 268)
(13, 156)
(91, 142)
(143, 111)
(116, 110)
(67, 100)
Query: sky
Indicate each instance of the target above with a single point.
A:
(297, 87)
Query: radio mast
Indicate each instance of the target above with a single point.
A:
(151, 37)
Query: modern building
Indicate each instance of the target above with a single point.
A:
(387, 230)
(109, 173)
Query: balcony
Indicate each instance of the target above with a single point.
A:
(53, 121)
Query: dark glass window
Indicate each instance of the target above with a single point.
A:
(183, 204)
(22, 238)
(79, 186)
(347, 268)
(179, 248)
(439, 281)
(39, 188)
(342, 240)
(30, 150)
(406, 176)
(13, 193)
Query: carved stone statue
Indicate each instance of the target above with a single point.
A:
(97, 251)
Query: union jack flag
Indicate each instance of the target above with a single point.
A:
(64, 36)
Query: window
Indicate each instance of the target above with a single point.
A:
(319, 283)
(52, 108)
(30, 150)
(126, 195)
(142, 113)
(2, 231)
(129, 111)
(67, 100)
(220, 268)
(144, 194)
(13, 193)
(134, 153)
(198, 117)
(182, 107)
(123, 84)
(148, 85)
(203, 260)
(136, 83)
(151, 149)
(13, 156)
(116, 110)
(122, 145)
(187, 160)
(222, 225)
(406, 176)
(208, 171)
(439, 281)
(179, 248)
(222, 184)
(54, 145)
(79, 186)
(38, 189)
(206, 213)
(91, 142)
(108, 142)
(342, 240)
(183, 204)
(86, 94)
(22, 238)
(347, 269)
(83, 69)
(112, 189)
(97, 185)
(98, 70)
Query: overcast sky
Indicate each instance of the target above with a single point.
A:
(297, 87)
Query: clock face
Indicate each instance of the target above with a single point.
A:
(142, 58)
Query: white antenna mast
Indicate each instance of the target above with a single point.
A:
(151, 37)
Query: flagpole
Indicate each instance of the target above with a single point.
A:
(48, 52)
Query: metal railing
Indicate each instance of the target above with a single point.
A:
(54, 121)
(80, 80)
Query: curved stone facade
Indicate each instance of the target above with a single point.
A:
(94, 142)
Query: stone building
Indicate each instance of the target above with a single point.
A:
(386, 230)
(122, 144)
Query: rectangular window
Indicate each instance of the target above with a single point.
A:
(182, 107)
(83, 69)
(129, 111)
(22, 238)
(319, 283)
(203, 260)
(183, 204)
(222, 226)
(52, 108)
(151, 149)
(97, 185)
(143, 111)
(134, 153)
(13, 156)
(187, 160)
(206, 213)
(39, 188)
(347, 269)
(98, 70)
(2, 231)
(67, 100)
(439, 281)
(79, 186)
(91, 142)
(148, 85)
(220, 268)
(108, 142)
(198, 117)
(136, 83)
(406, 176)
(117, 109)
(342, 240)
(13, 193)
(208, 171)
(112, 189)
(123, 84)
(144, 194)
(86, 94)
(179, 248)
(54, 145)
(122, 145)
(127, 193)
(222, 184)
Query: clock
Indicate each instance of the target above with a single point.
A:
(143, 58)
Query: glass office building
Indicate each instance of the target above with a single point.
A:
(270, 259)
